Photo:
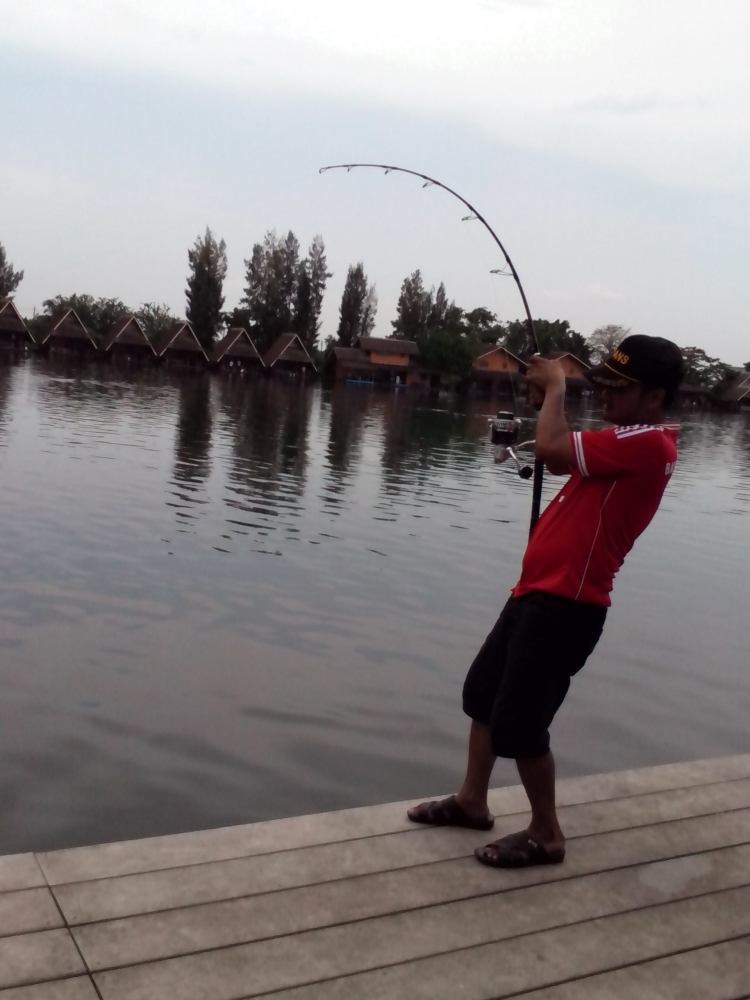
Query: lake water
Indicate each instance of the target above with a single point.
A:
(225, 601)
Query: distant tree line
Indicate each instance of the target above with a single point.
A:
(284, 290)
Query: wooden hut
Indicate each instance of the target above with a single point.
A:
(14, 335)
(494, 369)
(347, 364)
(393, 359)
(575, 372)
(68, 335)
(384, 361)
(289, 355)
(128, 341)
(575, 369)
(237, 351)
(736, 396)
(179, 345)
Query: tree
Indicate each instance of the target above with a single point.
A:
(605, 339)
(436, 306)
(10, 279)
(482, 324)
(317, 269)
(208, 269)
(414, 305)
(369, 311)
(156, 318)
(271, 279)
(448, 346)
(303, 322)
(311, 279)
(703, 371)
(99, 315)
(289, 270)
(358, 307)
(554, 336)
(283, 292)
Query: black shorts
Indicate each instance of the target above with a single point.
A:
(522, 673)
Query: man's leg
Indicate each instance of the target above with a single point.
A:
(468, 807)
(538, 777)
(472, 796)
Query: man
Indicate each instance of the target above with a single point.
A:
(556, 611)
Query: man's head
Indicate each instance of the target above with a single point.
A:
(639, 379)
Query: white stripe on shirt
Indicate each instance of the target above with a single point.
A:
(639, 430)
(580, 457)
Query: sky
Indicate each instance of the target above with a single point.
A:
(606, 141)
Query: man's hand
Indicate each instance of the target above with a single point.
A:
(546, 380)
(545, 374)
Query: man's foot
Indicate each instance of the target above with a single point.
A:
(519, 850)
(447, 812)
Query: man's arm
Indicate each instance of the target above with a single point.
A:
(553, 441)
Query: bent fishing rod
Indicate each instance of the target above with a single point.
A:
(474, 215)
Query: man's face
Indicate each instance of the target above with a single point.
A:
(627, 405)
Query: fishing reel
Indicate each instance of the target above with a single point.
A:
(505, 433)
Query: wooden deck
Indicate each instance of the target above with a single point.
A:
(652, 902)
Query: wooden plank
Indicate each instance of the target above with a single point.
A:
(184, 930)
(129, 857)
(19, 871)
(32, 958)
(294, 918)
(719, 972)
(80, 988)
(28, 910)
(129, 895)
(497, 969)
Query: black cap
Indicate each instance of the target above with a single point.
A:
(652, 361)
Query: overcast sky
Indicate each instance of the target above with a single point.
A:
(606, 140)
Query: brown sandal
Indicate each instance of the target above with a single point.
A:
(518, 850)
(447, 812)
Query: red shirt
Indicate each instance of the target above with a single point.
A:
(582, 538)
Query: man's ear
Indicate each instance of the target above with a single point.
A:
(656, 398)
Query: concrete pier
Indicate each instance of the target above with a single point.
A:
(653, 901)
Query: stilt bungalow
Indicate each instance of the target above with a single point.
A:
(737, 394)
(575, 369)
(575, 372)
(383, 361)
(128, 341)
(14, 335)
(179, 345)
(494, 369)
(236, 352)
(288, 355)
(68, 335)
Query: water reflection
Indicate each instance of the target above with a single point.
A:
(192, 445)
(7, 374)
(257, 599)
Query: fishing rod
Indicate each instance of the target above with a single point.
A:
(474, 215)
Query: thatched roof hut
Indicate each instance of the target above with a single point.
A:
(237, 346)
(129, 338)
(13, 330)
(288, 352)
(181, 343)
